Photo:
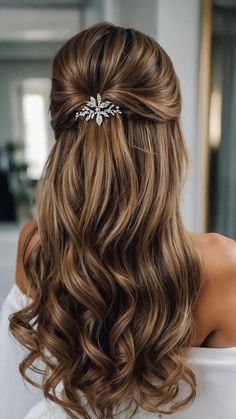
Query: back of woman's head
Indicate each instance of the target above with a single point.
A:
(115, 275)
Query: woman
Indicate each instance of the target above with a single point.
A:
(125, 309)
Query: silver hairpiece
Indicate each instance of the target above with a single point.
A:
(101, 109)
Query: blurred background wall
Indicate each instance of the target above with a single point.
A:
(31, 31)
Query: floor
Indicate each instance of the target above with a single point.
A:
(8, 250)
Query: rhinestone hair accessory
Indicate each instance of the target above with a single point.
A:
(97, 107)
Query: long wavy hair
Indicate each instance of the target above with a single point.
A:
(115, 276)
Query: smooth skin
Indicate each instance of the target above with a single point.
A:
(215, 315)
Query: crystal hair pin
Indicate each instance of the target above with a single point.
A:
(97, 107)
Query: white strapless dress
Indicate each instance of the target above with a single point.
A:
(215, 370)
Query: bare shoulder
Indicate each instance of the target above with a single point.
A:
(212, 239)
(217, 301)
(28, 238)
(218, 254)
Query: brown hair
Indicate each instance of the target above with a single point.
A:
(115, 274)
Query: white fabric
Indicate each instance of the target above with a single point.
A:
(215, 370)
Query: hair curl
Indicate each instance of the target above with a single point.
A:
(115, 275)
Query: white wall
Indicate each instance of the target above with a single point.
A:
(134, 13)
(8, 250)
(179, 32)
(13, 72)
(25, 24)
(176, 25)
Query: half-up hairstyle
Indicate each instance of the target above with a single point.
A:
(115, 277)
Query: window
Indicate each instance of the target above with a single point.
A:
(36, 132)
